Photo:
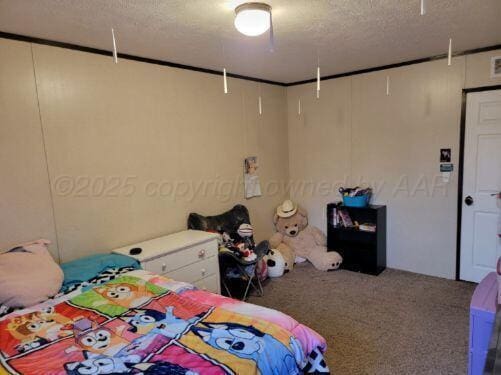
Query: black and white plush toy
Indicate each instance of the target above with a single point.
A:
(276, 263)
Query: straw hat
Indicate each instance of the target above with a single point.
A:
(287, 209)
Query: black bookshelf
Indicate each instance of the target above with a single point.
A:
(361, 251)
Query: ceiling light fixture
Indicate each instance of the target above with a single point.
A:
(253, 19)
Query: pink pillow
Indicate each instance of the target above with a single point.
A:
(28, 276)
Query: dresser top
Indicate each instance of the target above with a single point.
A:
(167, 244)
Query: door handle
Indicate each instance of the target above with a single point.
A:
(468, 200)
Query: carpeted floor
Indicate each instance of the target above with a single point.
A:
(396, 323)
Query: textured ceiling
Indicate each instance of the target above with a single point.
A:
(345, 35)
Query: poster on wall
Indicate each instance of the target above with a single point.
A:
(445, 155)
(496, 67)
(251, 179)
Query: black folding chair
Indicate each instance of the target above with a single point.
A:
(231, 267)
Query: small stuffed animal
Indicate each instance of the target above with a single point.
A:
(246, 253)
(275, 262)
(304, 240)
(226, 238)
(245, 231)
(241, 242)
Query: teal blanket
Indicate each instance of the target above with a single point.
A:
(85, 269)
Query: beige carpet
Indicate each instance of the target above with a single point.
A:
(395, 323)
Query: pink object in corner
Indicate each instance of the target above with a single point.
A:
(483, 309)
(498, 271)
(30, 276)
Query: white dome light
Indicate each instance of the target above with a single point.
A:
(252, 19)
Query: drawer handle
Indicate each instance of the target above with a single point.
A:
(164, 267)
(201, 253)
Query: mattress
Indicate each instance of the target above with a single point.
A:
(142, 323)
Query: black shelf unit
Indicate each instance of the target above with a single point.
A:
(361, 251)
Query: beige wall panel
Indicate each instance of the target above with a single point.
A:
(319, 144)
(157, 126)
(266, 137)
(133, 148)
(396, 144)
(357, 134)
(478, 70)
(25, 194)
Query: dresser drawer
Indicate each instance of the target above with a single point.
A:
(195, 271)
(210, 283)
(181, 258)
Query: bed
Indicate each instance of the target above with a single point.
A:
(131, 321)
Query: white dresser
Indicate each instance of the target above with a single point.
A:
(189, 256)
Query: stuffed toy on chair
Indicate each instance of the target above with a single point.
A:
(305, 241)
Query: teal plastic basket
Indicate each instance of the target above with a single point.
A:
(359, 201)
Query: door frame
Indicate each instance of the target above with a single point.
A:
(462, 130)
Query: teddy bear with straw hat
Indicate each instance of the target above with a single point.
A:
(300, 241)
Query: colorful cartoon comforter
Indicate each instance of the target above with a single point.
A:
(141, 323)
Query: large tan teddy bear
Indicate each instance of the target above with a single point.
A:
(305, 241)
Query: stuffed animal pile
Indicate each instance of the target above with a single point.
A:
(298, 241)
(240, 242)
